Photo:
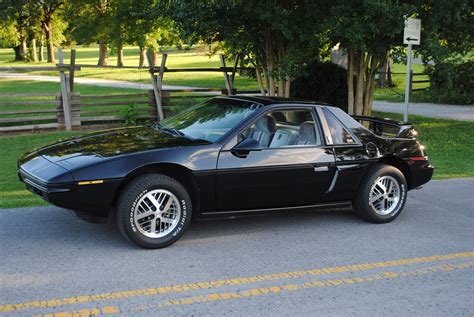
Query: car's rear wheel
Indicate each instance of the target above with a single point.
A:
(382, 194)
(153, 211)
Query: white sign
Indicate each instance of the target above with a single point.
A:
(412, 31)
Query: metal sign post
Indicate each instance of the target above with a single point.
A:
(411, 36)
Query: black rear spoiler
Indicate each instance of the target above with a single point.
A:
(387, 128)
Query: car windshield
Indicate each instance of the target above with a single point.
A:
(210, 120)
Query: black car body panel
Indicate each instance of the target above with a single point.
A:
(87, 173)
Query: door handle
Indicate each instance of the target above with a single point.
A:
(320, 168)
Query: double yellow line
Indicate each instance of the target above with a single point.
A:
(180, 288)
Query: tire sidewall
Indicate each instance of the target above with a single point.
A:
(136, 193)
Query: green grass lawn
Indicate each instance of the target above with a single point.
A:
(397, 93)
(449, 145)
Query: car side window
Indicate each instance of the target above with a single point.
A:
(285, 128)
(339, 133)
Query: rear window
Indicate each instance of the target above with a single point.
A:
(339, 133)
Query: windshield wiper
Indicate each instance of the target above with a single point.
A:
(169, 130)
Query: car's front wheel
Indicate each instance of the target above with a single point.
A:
(382, 194)
(153, 211)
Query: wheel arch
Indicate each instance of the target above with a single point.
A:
(400, 165)
(178, 172)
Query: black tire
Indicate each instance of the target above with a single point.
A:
(362, 205)
(132, 194)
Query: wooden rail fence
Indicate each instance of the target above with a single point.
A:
(69, 110)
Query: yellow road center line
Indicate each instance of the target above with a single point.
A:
(179, 288)
(107, 310)
(276, 289)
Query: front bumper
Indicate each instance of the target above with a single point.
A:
(94, 200)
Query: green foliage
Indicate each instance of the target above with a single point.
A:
(325, 82)
(447, 28)
(129, 115)
(90, 21)
(367, 25)
(9, 36)
(452, 82)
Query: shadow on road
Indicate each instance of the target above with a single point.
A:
(51, 225)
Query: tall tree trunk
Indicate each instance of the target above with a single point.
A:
(120, 55)
(141, 61)
(20, 50)
(258, 73)
(389, 70)
(41, 50)
(33, 52)
(370, 83)
(350, 82)
(153, 56)
(18, 56)
(103, 54)
(359, 96)
(49, 39)
(281, 87)
(288, 86)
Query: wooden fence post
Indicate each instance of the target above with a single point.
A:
(65, 89)
(76, 109)
(157, 84)
(228, 83)
(72, 69)
(234, 70)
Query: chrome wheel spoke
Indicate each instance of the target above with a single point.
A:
(152, 225)
(376, 197)
(168, 205)
(144, 214)
(166, 220)
(154, 201)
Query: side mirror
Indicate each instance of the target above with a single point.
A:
(245, 147)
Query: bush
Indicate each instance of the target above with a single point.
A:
(324, 82)
(452, 83)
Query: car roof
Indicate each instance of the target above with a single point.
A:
(267, 100)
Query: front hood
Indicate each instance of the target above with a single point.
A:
(109, 143)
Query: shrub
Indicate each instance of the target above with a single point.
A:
(452, 82)
(324, 82)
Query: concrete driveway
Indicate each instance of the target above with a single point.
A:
(320, 263)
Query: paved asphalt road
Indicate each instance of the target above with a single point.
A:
(317, 263)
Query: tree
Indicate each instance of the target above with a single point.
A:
(17, 11)
(91, 21)
(49, 8)
(279, 37)
(367, 30)
(144, 25)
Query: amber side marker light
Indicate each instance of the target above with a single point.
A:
(97, 181)
(419, 158)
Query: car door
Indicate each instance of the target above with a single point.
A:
(293, 167)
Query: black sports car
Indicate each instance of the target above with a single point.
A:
(230, 156)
